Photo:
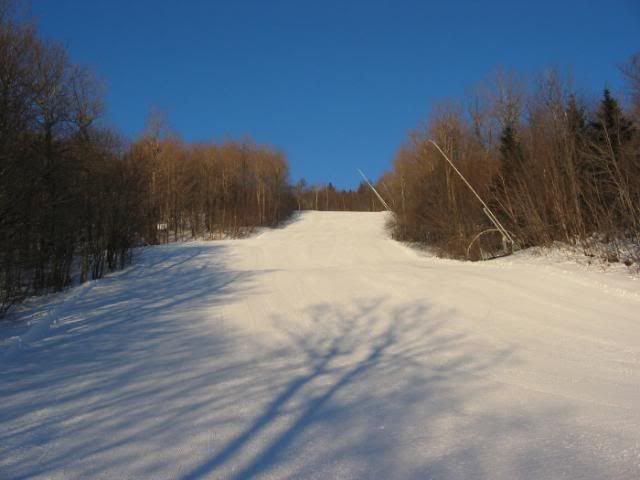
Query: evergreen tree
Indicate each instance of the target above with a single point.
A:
(610, 125)
(576, 118)
(510, 153)
(609, 135)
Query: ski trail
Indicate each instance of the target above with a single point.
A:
(324, 349)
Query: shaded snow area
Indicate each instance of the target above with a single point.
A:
(325, 350)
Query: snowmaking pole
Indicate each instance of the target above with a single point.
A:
(506, 237)
(384, 204)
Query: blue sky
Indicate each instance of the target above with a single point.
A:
(334, 84)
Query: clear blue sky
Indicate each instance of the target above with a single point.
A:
(334, 84)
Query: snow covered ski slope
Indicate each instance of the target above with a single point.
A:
(326, 350)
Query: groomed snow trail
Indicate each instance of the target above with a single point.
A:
(324, 349)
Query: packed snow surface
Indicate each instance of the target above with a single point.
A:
(324, 349)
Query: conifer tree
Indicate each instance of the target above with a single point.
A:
(610, 128)
(510, 153)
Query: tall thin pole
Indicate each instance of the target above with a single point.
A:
(375, 191)
(487, 211)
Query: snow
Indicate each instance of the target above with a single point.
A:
(326, 350)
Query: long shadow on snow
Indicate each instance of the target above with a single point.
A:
(389, 398)
(345, 351)
(142, 325)
(384, 390)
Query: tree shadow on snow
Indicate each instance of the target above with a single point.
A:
(389, 397)
(120, 363)
(374, 389)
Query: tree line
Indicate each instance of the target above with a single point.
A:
(75, 198)
(552, 166)
(326, 197)
(208, 190)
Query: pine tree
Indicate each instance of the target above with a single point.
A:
(576, 118)
(610, 128)
(609, 135)
(510, 153)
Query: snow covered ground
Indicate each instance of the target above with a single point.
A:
(326, 350)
